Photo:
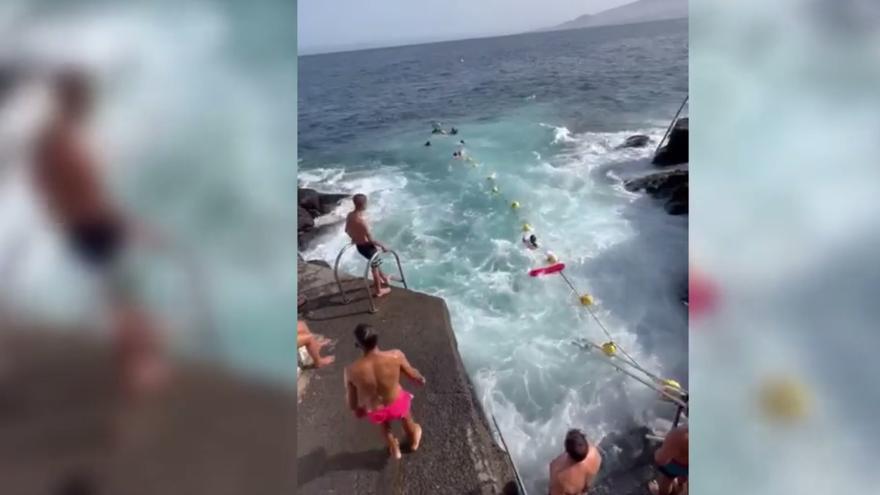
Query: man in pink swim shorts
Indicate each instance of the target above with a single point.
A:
(373, 389)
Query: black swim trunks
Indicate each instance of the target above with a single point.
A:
(97, 243)
(367, 250)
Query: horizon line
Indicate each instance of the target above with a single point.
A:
(349, 49)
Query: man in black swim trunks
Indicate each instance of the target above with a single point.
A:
(357, 229)
(66, 178)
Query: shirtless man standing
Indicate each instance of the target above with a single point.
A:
(672, 463)
(357, 229)
(67, 180)
(572, 472)
(373, 389)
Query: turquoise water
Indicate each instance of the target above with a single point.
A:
(545, 113)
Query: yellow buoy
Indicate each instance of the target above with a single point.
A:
(515, 205)
(526, 228)
(491, 176)
(672, 384)
(494, 189)
(609, 349)
(784, 399)
(586, 300)
(552, 259)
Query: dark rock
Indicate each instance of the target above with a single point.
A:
(676, 149)
(319, 263)
(304, 220)
(630, 457)
(678, 201)
(305, 237)
(318, 203)
(329, 202)
(637, 141)
(672, 187)
(660, 185)
(309, 199)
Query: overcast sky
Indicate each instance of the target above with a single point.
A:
(328, 25)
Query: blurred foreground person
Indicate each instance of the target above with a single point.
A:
(572, 472)
(313, 344)
(373, 389)
(68, 182)
(672, 463)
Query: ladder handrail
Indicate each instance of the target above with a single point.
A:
(372, 259)
(519, 481)
(672, 123)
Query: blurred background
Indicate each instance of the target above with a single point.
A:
(784, 242)
(192, 138)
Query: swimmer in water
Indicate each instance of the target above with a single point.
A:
(530, 240)
(428, 143)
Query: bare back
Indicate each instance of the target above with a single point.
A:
(674, 448)
(357, 229)
(568, 477)
(66, 178)
(376, 378)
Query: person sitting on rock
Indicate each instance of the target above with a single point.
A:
(572, 472)
(372, 389)
(357, 229)
(313, 344)
(672, 463)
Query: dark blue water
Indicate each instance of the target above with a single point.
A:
(542, 115)
(594, 79)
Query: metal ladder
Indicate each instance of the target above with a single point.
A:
(376, 256)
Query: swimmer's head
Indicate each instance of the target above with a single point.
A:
(73, 92)
(533, 239)
(576, 445)
(366, 337)
(360, 202)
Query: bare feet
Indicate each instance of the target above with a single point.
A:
(382, 292)
(394, 448)
(416, 439)
(324, 361)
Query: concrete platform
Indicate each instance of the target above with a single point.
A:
(339, 454)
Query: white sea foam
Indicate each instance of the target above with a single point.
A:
(515, 332)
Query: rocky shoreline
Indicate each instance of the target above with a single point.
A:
(312, 205)
(669, 186)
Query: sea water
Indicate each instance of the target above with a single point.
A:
(545, 113)
(195, 129)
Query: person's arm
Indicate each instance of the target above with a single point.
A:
(665, 453)
(370, 237)
(350, 393)
(408, 369)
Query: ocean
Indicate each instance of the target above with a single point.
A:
(195, 128)
(545, 113)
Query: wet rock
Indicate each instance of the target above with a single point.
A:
(629, 456)
(305, 220)
(637, 141)
(319, 263)
(313, 204)
(318, 203)
(676, 149)
(671, 187)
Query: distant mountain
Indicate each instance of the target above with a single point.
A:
(631, 13)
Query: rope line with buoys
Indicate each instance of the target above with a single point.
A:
(616, 355)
